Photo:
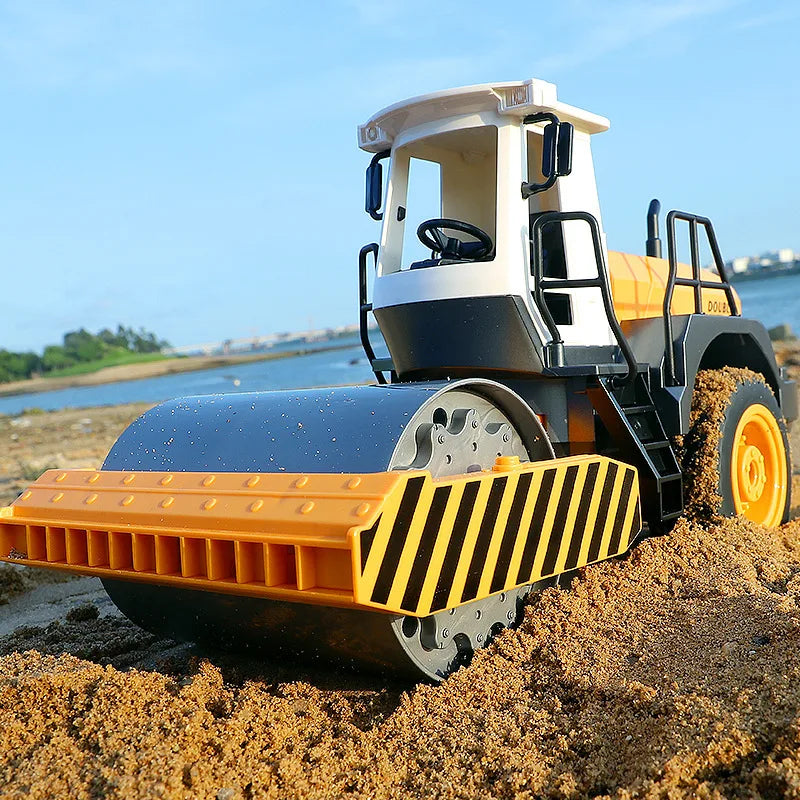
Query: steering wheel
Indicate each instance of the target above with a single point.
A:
(431, 234)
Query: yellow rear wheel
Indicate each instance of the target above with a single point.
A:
(758, 467)
(736, 454)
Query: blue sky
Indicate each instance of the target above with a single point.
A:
(191, 167)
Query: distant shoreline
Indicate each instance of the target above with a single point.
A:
(757, 274)
(149, 369)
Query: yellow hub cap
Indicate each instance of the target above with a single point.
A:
(758, 467)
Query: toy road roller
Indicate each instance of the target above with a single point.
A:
(521, 427)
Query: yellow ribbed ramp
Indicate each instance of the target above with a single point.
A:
(399, 542)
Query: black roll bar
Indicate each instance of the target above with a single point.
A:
(695, 281)
(364, 307)
(555, 347)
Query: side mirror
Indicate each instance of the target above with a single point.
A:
(549, 148)
(564, 149)
(556, 151)
(374, 189)
(374, 198)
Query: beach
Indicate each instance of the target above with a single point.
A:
(674, 672)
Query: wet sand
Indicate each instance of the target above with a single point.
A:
(672, 673)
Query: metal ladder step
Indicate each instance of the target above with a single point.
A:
(630, 411)
(642, 443)
(657, 445)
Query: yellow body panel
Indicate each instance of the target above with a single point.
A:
(638, 286)
(396, 541)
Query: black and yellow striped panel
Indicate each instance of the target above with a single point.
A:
(440, 543)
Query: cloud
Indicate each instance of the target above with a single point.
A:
(340, 92)
(405, 15)
(605, 28)
(566, 37)
(773, 17)
(49, 43)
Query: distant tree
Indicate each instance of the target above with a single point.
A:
(83, 346)
(125, 337)
(78, 347)
(142, 341)
(109, 338)
(56, 357)
(5, 373)
(23, 365)
(17, 366)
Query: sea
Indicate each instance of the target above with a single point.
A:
(772, 300)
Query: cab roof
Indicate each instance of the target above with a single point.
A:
(509, 98)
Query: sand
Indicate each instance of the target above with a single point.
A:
(672, 673)
(699, 451)
(30, 443)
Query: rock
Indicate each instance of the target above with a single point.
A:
(83, 613)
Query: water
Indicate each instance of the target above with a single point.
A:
(325, 368)
(771, 300)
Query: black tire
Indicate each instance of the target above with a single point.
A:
(736, 455)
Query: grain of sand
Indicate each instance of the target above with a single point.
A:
(672, 673)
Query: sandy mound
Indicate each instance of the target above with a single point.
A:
(672, 673)
(698, 451)
(73, 438)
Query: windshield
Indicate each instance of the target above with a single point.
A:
(450, 175)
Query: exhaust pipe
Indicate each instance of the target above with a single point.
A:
(653, 243)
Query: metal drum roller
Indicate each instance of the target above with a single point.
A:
(445, 428)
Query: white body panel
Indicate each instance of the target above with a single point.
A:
(431, 128)
(578, 192)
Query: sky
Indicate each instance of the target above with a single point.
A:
(192, 167)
